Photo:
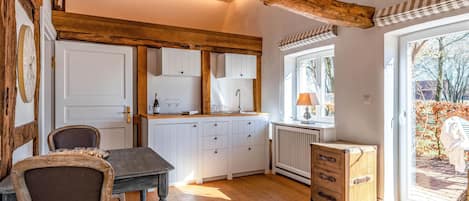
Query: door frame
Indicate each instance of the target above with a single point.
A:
(405, 100)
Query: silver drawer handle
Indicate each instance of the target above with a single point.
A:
(327, 158)
(327, 177)
(326, 196)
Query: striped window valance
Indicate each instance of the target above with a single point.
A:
(412, 9)
(305, 38)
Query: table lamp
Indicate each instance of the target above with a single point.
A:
(307, 99)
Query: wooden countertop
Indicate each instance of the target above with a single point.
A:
(175, 116)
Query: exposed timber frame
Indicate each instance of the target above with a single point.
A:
(329, 11)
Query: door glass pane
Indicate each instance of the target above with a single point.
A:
(438, 134)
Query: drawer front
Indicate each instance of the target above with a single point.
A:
(245, 126)
(327, 179)
(214, 142)
(328, 160)
(215, 128)
(215, 163)
(248, 158)
(248, 139)
(322, 194)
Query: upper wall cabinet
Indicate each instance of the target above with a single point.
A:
(237, 66)
(178, 62)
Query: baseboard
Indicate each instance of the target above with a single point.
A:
(293, 176)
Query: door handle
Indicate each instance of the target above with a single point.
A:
(129, 116)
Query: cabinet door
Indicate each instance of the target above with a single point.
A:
(250, 66)
(193, 63)
(172, 61)
(234, 65)
(215, 163)
(248, 158)
(177, 143)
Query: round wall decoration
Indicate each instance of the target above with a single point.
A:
(27, 66)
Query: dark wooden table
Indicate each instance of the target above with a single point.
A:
(136, 169)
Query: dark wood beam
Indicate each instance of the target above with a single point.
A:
(7, 83)
(116, 31)
(206, 89)
(142, 93)
(329, 11)
(257, 86)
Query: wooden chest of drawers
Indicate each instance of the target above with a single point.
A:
(343, 172)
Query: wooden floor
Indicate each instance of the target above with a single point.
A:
(250, 188)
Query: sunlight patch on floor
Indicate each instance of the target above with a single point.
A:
(203, 191)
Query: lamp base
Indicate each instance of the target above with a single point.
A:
(307, 122)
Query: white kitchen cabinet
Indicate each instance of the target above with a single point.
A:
(177, 143)
(207, 148)
(237, 66)
(178, 62)
(249, 145)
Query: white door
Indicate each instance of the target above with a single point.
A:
(93, 85)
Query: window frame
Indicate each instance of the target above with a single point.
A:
(319, 59)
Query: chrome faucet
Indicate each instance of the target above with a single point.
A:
(238, 93)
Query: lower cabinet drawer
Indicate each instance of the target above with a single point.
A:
(323, 194)
(327, 179)
(214, 142)
(215, 163)
(248, 158)
(328, 160)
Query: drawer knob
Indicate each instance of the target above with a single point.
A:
(215, 152)
(215, 138)
(327, 158)
(215, 125)
(241, 75)
(195, 126)
(249, 148)
(327, 177)
(249, 123)
(326, 196)
(182, 72)
(249, 135)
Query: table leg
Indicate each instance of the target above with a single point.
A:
(143, 195)
(163, 186)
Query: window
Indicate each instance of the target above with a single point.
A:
(314, 73)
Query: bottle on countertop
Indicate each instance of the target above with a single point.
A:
(156, 105)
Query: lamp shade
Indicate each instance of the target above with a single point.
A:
(307, 99)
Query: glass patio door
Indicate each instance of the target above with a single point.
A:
(433, 86)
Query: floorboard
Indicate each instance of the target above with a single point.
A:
(250, 188)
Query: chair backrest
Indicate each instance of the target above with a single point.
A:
(70, 137)
(71, 177)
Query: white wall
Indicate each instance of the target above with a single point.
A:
(224, 90)
(24, 112)
(360, 63)
(175, 94)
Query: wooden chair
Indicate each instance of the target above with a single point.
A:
(70, 137)
(71, 177)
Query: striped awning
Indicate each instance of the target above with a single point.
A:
(305, 38)
(412, 9)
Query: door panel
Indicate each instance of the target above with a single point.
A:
(93, 85)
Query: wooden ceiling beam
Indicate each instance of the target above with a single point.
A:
(115, 31)
(329, 11)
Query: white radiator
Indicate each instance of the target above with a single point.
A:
(293, 151)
